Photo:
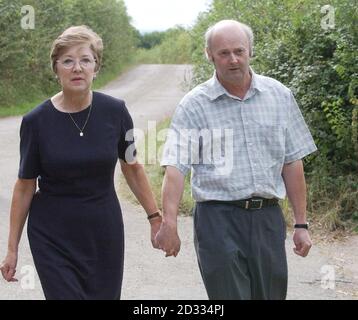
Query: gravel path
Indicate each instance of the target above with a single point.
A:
(152, 93)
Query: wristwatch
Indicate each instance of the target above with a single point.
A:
(301, 226)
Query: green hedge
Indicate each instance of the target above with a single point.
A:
(173, 46)
(25, 73)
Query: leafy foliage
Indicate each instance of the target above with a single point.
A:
(25, 72)
(150, 40)
(174, 47)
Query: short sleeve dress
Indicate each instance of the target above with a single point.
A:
(75, 225)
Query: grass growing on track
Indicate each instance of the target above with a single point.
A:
(155, 174)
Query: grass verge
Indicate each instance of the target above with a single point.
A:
(155, 174)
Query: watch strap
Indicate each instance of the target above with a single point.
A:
(301, 226)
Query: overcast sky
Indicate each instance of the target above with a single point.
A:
(159, 15)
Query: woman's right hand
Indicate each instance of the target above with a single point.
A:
(8, 267)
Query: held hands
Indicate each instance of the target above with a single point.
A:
(168, 240)
(8, 267)
(302, 241)
(163, 234)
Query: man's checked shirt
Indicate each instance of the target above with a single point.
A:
(236, 148)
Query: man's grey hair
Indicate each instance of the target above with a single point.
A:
(244, 27)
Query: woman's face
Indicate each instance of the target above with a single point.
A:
(76, 68)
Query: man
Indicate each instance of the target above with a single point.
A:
(239, 230)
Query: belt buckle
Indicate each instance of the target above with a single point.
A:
(255, 201)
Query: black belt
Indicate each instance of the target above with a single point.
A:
(248, 204)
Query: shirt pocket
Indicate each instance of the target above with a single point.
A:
(269, 144)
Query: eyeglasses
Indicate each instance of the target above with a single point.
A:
(70, 63)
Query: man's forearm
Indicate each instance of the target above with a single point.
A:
(293, 176)
(172, 191)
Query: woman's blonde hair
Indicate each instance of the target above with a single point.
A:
(73, 36)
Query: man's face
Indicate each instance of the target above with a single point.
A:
(229, 51)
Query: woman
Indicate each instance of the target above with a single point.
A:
(70, 145)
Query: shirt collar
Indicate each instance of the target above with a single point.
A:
(216, 89)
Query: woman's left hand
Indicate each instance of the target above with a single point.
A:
(155, 224)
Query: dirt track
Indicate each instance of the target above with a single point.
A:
(151, 93)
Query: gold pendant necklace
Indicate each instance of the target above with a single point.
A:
(84, 126)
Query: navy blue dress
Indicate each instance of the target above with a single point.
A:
(75, 225)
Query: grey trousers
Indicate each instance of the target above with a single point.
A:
(241, 253)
